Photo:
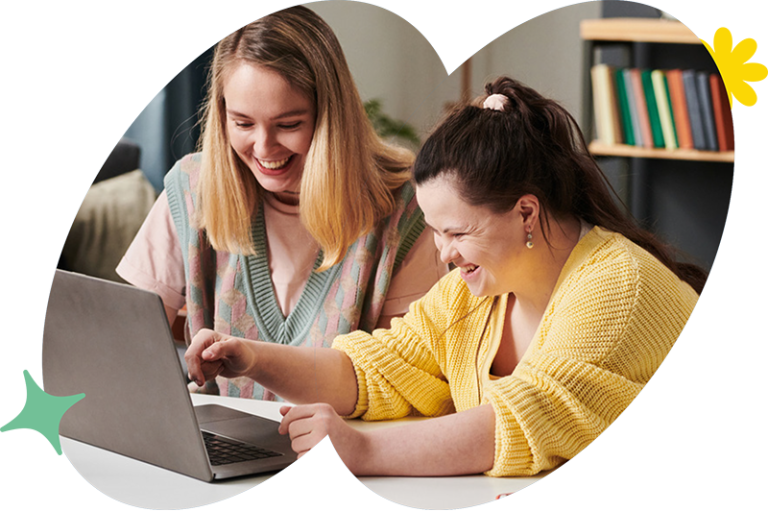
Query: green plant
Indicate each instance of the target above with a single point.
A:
(386, 126)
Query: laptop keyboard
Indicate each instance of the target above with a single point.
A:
(223, 451)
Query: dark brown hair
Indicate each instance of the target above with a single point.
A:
(533, 146)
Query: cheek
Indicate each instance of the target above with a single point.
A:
(304, 142)
(298, 141)
(237, 140)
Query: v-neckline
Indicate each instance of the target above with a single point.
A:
(260, 292)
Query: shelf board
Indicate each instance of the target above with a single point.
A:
(639, 30)
(600, 149)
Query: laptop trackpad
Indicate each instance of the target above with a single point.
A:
(242, 426)
(215, 413)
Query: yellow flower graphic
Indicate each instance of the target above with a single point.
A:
(734, 68)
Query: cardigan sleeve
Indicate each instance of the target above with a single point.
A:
(603, 336)
(399, 370)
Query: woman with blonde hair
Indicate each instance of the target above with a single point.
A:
(559, 312)
(295, 222)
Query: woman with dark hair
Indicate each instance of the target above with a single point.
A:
(559, 311)
(538, 149)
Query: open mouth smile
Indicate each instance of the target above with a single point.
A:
(274, 165)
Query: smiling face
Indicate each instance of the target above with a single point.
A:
(488, 248)
(270, 125)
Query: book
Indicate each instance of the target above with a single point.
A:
(642, 108)
(615, 108)
(623, 100)
(694, 110)
(665, 108)
(671, 113)
(607, 115)
(653, 109)
(707, 114)
(679, 109)
(722, 110)
(629, 87)
(603, 125)
(671, 109)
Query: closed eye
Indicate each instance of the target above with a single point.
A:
(453, 234)
(290, 126)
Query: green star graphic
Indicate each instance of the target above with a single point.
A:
(42, 412)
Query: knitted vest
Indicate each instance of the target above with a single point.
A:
(233, 293)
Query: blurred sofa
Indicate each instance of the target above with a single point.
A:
(114, 208)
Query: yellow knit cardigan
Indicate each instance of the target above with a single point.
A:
(613, 316)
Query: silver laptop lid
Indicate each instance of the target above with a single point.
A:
(113, 342)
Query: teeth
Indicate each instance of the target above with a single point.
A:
(468, 269)
(273, 165)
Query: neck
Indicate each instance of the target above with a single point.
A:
(546, 262)
(289, 198)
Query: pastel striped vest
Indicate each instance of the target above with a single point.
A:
(233, 294)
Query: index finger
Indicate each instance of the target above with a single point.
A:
(293, 414)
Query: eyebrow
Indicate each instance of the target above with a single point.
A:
(290, 113)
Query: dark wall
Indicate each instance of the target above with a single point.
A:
(684, 202)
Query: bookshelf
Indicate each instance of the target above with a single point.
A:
(640, 30)
(622, 150)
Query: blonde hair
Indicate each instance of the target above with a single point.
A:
(349, 172)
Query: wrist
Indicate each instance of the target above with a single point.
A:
(255, 365)
(358, 452)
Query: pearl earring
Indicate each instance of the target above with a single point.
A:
(529, 243)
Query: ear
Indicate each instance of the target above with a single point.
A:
(529, 208)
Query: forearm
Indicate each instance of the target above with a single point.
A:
(297, 374)
(305, 374)
(460, 443)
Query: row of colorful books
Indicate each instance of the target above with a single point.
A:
(671, 109)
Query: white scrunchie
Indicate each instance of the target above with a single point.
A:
(496, 102)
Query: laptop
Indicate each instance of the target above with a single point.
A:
(113, 342)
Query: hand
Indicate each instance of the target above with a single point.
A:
(308, 424)
(212, 354)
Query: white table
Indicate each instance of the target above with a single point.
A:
(143, 485)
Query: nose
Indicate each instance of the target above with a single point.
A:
(447, 251)
(262, 141)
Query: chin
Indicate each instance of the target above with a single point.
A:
(478, 291)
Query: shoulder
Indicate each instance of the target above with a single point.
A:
(617, 307)
(406, 192)
(183, 176)
(401, 229)
(607, 271)
(405, 201)
(611, 255)
(180, 185)
(185, 172)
